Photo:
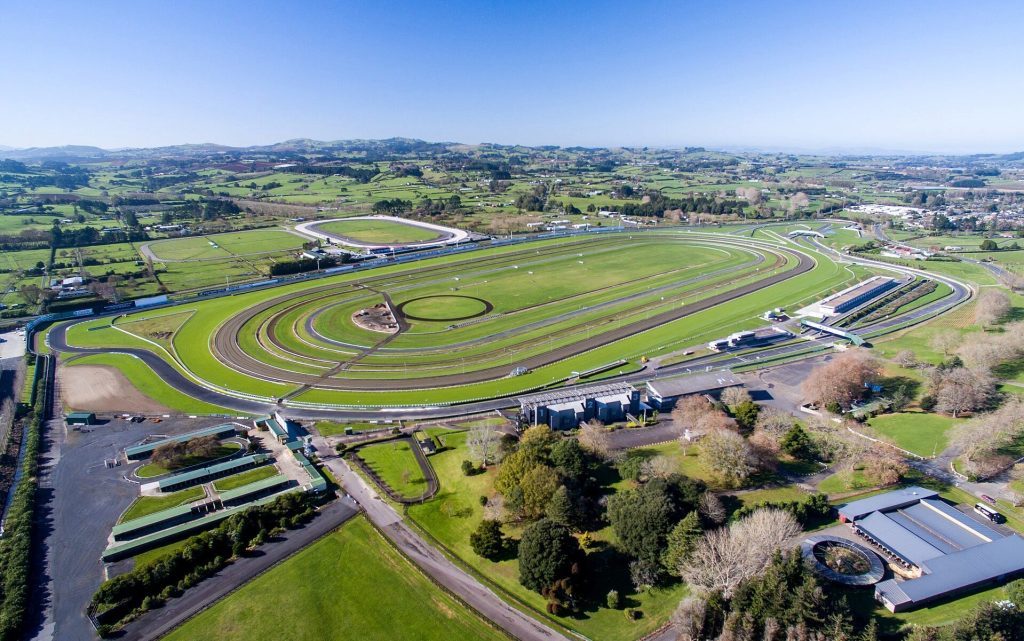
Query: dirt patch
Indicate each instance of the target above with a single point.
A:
(100, 388)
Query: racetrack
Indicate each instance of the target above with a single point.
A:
(354, 366)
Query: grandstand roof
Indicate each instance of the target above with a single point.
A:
(575, 394)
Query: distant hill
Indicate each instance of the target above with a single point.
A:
(66, 153)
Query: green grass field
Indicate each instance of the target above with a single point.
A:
(350, 584)
(378, 232)
(395, 464)
(919, 432)
(214, 246)
(244, 478)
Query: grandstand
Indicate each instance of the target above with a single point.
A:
(566, 409)
(857, 295)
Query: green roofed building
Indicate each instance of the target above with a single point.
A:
(211, 473)
(139, 452)
(80, 418)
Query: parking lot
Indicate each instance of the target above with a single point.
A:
(80, 500)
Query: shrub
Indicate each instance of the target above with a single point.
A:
(614, 599)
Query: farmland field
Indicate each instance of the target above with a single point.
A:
(219, 246)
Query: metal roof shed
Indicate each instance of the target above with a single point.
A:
(888, 501)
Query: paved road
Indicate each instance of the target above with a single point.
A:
(156, 623)
(433, 562)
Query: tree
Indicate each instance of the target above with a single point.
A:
(547, 553)
(988, 245)
(728, 456)
(593, 437)
(723, 558)
(884, 466)
(169, 455)
(960, 390)
(482, 443)
(711, 508)
(774, 421)
(842, 380)
(906, 358)
(487, 540)
(992, 307)
(570, 459)
(797, 443)
(745, 414)
(562, 508)
(733, 396)
(30, 293)
(641, 519)
(680, 542)
(538, 485)
(202, 447)
(945, 341)
(691, 412)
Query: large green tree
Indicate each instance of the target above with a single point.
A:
(547, 553)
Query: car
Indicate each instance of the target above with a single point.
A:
(987, 498)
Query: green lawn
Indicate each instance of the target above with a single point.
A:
(378, 232)
(921, 433)
(395, 463)
(348, 585)
(145, 505)
(245, 478)
(150, 470)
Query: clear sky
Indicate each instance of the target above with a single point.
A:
(898, 75)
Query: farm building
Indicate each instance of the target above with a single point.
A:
(563, 410)
(138, 452)
(80, 418)
(857, 295)
(942, 551)
(662, 394)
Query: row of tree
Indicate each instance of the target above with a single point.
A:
(148, 585)
(16, 546)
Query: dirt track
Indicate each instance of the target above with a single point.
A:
(100, 388)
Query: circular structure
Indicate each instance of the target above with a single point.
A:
(458, 308)
(843, 561)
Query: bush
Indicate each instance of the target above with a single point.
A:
(468, 468)
(614, 599)
(928, 402)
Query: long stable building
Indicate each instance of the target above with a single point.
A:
(857, 295)
(945, 551)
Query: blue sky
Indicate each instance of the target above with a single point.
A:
(927, 76)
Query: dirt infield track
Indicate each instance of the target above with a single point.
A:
(101, 388)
